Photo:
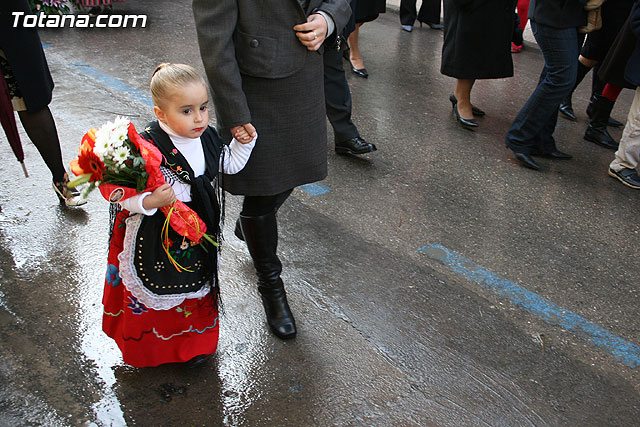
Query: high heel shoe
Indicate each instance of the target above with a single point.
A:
(465, 123)
(69, 196)
(432, 25)
(360, 72)
(475, 110)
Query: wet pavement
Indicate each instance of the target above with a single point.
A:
(434, 282)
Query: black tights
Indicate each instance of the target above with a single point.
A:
(41, 130)
(262, 205)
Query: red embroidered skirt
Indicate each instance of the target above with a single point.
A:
(148, 337)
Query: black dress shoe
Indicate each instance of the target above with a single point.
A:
(555, 155)
(465, 123)
(355, 145)
(567, 112)
(526, 161)
(362, 72)
(475, 110)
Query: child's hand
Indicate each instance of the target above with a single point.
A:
(244, 134)
(161, 197)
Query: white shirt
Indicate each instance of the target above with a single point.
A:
(236, 155)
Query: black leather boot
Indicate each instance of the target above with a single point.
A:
(597, 130)
(261, 235)
(612, 122)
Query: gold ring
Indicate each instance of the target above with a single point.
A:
(315, 35)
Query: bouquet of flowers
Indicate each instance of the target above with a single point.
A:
(121, 164)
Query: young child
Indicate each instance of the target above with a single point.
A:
(155, 312)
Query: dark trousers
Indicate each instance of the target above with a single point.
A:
(337, 96)
(532, 129)
(429, 12)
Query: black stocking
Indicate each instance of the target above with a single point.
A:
(597, 85)
(41, 130)
(262, 205)
(583, 70)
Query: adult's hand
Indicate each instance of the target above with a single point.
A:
(313, 32)
(239, 131)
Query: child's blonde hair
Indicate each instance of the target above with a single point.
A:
(168, 77)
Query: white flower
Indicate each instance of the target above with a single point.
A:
(121, 154)
(116, 138)
(121, 122)
(102, 146)
(111, 136)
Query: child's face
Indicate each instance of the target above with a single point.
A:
(186, 111)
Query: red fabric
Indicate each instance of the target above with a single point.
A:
(523, 10)
(611, 92)
(188, 330)
(183, 219)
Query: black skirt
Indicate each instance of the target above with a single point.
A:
(368, 10)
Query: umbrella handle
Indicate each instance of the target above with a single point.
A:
(24, 169)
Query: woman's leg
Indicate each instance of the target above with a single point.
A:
(355, 56)
(463, 95)
(41, 129)
(259, 227)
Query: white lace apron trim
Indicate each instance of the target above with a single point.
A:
(134, 284)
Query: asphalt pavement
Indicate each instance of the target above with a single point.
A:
(434, 282)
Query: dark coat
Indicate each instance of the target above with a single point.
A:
(558, 13)
(632, 71)
(261, 74)
(23, 50)
(477, 39)
(612, 69)
(368, 10)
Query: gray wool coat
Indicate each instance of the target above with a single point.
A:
(261, 74)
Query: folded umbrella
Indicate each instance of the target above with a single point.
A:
(8, 120)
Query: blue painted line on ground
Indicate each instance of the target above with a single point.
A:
(315, 189)
(621, 349)
(113, 83)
